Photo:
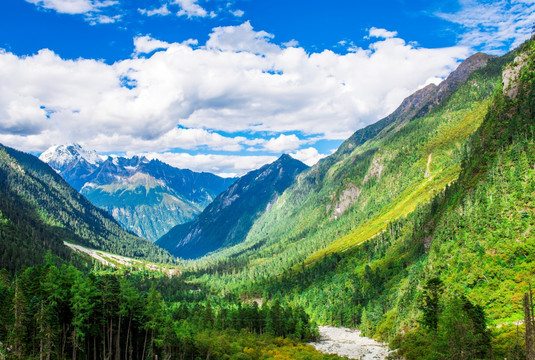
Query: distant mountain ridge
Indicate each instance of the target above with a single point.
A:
(227, 220)
(148, 197)
(39, 210)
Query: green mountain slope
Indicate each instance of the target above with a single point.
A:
(352, 195)
(470, 243)
(476, 238)
(39, 211)
(227, 220)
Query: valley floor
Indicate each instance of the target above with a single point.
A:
(349, 343)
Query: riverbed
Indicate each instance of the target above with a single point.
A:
(347, 342)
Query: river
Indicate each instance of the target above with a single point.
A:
(346, 342)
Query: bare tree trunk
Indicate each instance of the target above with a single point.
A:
(103, 341)
(110, 340)
(74, 344)
(530, 325)
(118, 342)
(128, 333)
(41, 331)
(63, 339)
(151, 352)
(145, 344)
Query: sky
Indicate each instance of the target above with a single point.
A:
(227, 86)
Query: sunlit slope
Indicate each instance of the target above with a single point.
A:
(351, 196)
(476, 237)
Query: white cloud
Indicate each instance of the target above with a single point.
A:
(190, 8)
(102, 19)
(238, 13)
(90, 8)
(146, 44)
(222, 165)
(66, 6)
(241, 38)
(162, 11)
(283, 143)
(239, 82)
(493, 27)
(381, 33)
(309, 156)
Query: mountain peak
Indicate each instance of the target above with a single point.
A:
(466, 68)
(286, 158)
(227, 220)
(60, 157)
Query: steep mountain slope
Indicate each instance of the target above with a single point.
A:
(39, 211)
(475, 240)
(353, 194)
(227, 220)
(457, 227)
(146, 197)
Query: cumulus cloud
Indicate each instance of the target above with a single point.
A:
(493, 27)
(222, 165)
(283, 143)
(190, 8)
(309, 156)
(146, 44)
(241, 38)
(162, 11)
(66, 6)
(90, 8)
(381, 33)
(238, 13)
(201, 97)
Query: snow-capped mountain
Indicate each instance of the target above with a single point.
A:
(72, 162)
(148, 197)
(60, 157)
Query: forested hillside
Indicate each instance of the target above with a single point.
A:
(39, 210)
(423, 230)
(352, 195)
(48, 312)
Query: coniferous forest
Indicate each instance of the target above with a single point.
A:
(419, 231)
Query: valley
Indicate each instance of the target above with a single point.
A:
(412, 240)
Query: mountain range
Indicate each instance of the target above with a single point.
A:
(148, 197)
(39, 211)
(228, 219)
(418, 230)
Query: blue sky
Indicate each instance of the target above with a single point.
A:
(226, 86)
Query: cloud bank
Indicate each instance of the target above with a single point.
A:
(240, 92)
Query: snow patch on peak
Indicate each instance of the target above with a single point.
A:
(61, 156)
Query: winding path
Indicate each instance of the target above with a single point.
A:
(349, 343)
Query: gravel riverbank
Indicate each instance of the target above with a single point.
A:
(349, 343)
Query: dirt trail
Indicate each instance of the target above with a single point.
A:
(349, 343)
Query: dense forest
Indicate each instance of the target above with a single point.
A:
(51, 312)
(418, 231)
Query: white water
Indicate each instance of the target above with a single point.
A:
(349, 343)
